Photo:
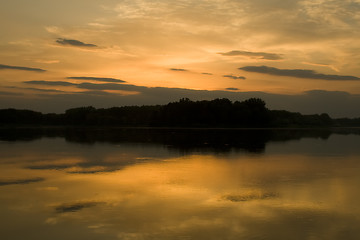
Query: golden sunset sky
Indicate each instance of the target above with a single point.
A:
(298, 55)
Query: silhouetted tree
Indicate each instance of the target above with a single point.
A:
(220, 112)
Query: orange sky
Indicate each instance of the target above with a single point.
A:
(294, 48)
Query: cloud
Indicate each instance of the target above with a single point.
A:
(112, 80)
(322, 65)
(75, 43)
(2, 66)
(178, 69)
(95, 88)
(298, 73)
(10, 93)
(45, 90)
(90, 171)
(21, 181)
(48, 167)
(97, 92)
(234, 77)
(261, 55)
(90, 86)
(51, 83)
(74, 207)
(205, 73)
(232, 89)
(47, 61)
(110, 86)
(37, 89)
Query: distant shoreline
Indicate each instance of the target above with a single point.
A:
(186, 114)
(172, 128)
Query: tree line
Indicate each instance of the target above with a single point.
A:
(221, 113)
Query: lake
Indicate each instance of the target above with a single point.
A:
(139, 184)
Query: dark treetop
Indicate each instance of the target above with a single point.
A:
(218, 113)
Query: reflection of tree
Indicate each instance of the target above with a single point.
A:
(183, 140)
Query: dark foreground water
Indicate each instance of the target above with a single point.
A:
(139, 184)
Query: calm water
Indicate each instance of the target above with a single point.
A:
(179, 184)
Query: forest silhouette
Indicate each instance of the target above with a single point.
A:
(218, 113)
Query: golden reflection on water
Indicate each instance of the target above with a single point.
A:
(269, 196)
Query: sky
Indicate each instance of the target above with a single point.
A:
(297, 55)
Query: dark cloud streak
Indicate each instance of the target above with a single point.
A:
(2, 66)
(51, 83)
(234, 77)
(178, 69)
(37, 89)
(261, 55)
(75, 43)
(10, 93)
(112, 80)
(97, 93)
(298, 73)
(110, 86)
(21, 181)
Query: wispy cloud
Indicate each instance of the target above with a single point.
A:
(20, 181)
(205, 73)
(90, 86)
(48, 167)
(47, 61)
(51, 83)
(322, 65)
(178, 69)
(97, 93)
(111, 86)
(10, 93)
(112, 80)
(234, 77)
(2, 66)
(298, 73)
(37, 89)
(261, 55)
(75, 43)
(45, 90)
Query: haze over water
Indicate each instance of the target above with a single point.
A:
(290, 185)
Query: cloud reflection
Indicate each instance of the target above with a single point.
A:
(74, 207)
(251, 196)
(212, 196)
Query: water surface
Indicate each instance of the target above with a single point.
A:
(179, 184)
